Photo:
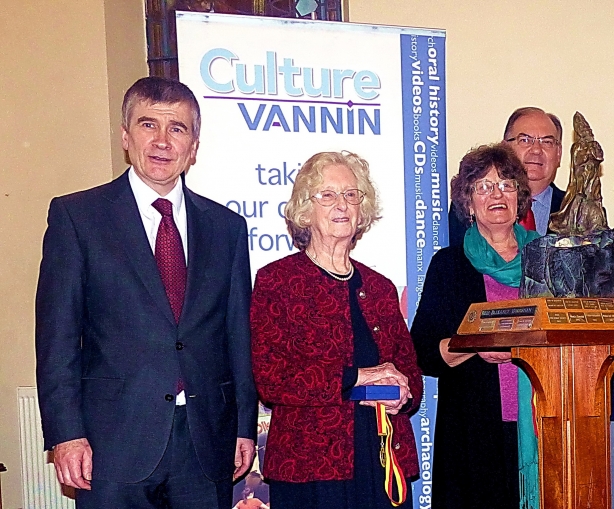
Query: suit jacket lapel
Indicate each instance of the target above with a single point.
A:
(128, 229)
(199, 248)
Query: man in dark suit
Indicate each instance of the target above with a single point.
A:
(142, 325)
(536, 138)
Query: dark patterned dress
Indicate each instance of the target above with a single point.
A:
(366, 489)
(302, 349)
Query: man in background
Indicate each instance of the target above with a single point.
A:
(142, 325)
(536, 137)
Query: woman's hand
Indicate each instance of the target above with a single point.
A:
(385, 374)
(496, 357)
(455, 358)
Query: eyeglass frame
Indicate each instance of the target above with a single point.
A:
(492, 186)
(318, 196)
(533, 139)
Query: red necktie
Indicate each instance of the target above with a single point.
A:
(170, 257)
(528, 221)
(171, 262)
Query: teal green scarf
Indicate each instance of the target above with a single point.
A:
(527, 445)
(487, 261)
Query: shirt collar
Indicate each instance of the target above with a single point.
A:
(145, 195)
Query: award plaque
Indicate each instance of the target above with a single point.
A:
(539, 314)
(566, 347)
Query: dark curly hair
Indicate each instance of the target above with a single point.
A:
(476, 164)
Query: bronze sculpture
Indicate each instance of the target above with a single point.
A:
(579, 260)
(582, 212)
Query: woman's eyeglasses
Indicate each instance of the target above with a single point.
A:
(487, 187)
(328, 198)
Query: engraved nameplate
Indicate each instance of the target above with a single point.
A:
(539, 314)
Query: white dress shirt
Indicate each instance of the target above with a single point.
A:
(151, 218)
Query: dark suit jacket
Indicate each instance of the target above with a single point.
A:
(302, 340)
(457, 228)
(109, 352)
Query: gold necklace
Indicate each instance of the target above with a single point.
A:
(332, 274)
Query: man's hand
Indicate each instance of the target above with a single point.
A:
(244, 456)
(73, 463)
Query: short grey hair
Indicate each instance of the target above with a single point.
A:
(160, 90)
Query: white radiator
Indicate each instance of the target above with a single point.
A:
(41, 489)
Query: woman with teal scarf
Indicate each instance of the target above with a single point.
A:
(485, 445)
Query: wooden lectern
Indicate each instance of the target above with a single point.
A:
(566, 348)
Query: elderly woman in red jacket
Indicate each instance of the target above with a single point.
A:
(323, 323)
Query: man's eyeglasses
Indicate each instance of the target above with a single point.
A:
(328, 198)
(487, 187)
(526, 141)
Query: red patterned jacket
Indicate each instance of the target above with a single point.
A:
(301, 341)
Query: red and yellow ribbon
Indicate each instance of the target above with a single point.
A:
(394, 474)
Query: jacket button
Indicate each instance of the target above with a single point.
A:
(376, 328)
(397, 446)
(362, 294)
(179, 345)
(169, 397)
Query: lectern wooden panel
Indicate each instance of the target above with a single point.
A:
(565, 346)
